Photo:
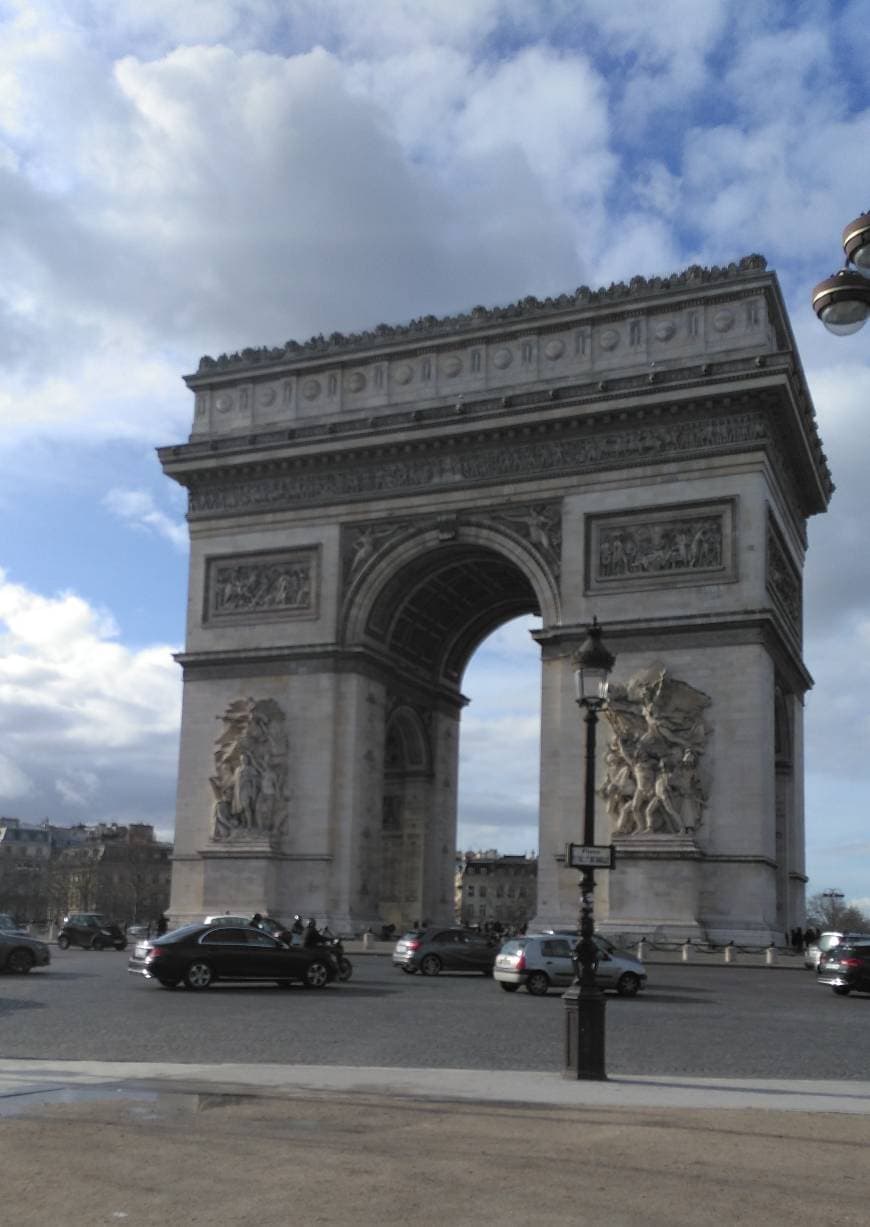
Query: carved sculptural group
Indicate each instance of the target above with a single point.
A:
(250, 771)
(653, 783)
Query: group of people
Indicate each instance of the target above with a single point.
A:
(801, 938)
(300, 933)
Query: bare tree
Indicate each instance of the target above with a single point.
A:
(828, 911)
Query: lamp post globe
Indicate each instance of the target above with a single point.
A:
(584, 1000)
(842, 302)
(856, 241)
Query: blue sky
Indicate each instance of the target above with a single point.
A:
(180, 179)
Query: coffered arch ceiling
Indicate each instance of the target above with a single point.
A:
(436, 609)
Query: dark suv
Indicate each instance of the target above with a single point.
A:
(846, 967)
(431, 950)
(90, 930)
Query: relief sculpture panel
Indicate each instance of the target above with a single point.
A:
(250, 771)
(783, 579)
(681, 545)
(654, 782)
(248, 587)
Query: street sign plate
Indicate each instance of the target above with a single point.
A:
(589, 856)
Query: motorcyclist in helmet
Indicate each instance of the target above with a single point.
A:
(311, 937)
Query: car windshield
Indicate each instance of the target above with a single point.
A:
(828, 940)
(513, 947)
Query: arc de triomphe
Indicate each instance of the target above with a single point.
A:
(364, 510)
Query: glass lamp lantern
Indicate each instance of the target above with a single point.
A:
(592, 666)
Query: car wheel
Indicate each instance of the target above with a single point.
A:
(20, 962)
(430, 965)
(538, 983)
(345, 969)
(628, 984)
(198, 976)
(167, 983)
(841, 990)
(97, 943)
(63, 942)
(120, 945)
(507, 988)
(316, 975)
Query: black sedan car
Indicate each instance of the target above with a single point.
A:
(198, 955)
(846, 967)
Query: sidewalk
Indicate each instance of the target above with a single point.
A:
(160, 1145)
(780, 957)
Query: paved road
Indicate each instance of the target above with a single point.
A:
(699, 1021)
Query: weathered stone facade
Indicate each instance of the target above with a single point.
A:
(364, 510)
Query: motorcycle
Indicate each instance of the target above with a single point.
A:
(334, 945)
(345, 967)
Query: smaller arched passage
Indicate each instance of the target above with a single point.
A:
(423, 607)
(407, 780)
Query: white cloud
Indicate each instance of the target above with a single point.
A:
(82, 717)
(137, 508)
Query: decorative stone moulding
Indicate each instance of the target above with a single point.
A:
(261, 587)
(687, 544)
(431, 326)
(784, 579)
(362, 476)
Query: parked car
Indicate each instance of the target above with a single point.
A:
(444, 949)
(542, 961)
(19, 953)
(90, 930)
(198, 955)
(7, 922)
(826, 942)
(846, 966)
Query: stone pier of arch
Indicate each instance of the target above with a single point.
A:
(364, 511)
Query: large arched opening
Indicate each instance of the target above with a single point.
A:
(426, 605)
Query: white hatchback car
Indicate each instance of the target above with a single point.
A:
(542, 961)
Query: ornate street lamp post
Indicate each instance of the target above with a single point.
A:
(584, 1000)
(835, 899)
(842, 302)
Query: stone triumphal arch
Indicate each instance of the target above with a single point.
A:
(364, 510)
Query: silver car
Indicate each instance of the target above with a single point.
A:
(825, 942)
(19, 953)
(542, 961)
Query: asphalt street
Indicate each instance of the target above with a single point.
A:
(699, 1021)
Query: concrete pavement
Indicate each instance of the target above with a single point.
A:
(160, 1145)
(20, 1078)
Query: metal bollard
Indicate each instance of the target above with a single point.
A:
(770, 956)
(729, 953)
(368, 941)
(687, 950)
(640, 946)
